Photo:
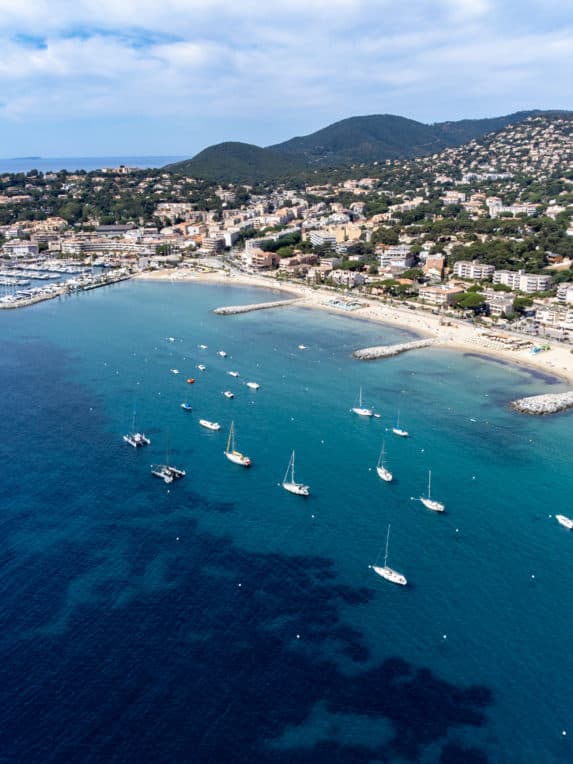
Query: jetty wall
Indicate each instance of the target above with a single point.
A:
(232, 309)
(386, 351)
(540, 405)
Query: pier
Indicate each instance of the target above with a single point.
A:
(232, 309)
(386, 351)
(540, 405)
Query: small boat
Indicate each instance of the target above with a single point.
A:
(232, 454)
(201, 366)
(360, 409)
(222, 353)
(386, 572)
(186, 407)
(398, 430)
(302, 347)
(166, 471)
(191, 381)
(566, 522)
(233, 373)
(383, 473)
(430, 503)
(253, 385)
(289, 483)
(228, 394)
(170, 339)
(209, 425)
(134, 438)
(174, 371)
(203, 347)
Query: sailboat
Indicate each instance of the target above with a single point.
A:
(383, 473)
(134, 438)
(565, 521)
(232, 454)
(398, 430)
(360, 410)
(386, 572)
(430, 503)
(289, 483)
(166, 471)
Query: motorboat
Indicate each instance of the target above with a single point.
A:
(209, 425)
(228, 394)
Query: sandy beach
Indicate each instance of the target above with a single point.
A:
(449, 333)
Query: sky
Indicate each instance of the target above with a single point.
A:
(143, 77)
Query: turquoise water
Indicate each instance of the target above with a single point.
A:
(222, 619)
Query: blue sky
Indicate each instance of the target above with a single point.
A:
(112, 77)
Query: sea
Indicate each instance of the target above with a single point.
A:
(72, 164)
(222, 619)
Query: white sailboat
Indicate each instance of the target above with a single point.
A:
(430, 503)
(289, 483)
(566, 522)
(134, 438)
(386, 572)
(232, 454)
(360, 409)
(401, 433)
(383, 473)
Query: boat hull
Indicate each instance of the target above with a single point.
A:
(209, 425)
(400, 433)
(390, 575)
(384, 474)
(238, 458)
(299, 489)
(566, 522)
(435, 506)
(362, 412)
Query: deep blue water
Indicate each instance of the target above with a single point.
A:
(53, 164)
(222, 619)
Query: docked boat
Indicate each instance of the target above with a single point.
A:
(186, 407)
(209, 425)
(289, 483)
(191, 381)
(222, 353)
(228, 394)
(231, 452)
(201, 366)
(360, 409)
(383, 473)
(428, 502)
(399, 431)
(566, 522)
(386, 571)
(134, 438)
(233, 373)
(253, 385)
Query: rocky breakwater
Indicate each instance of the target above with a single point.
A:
(232, 309)
(540, 405)
(385, 351)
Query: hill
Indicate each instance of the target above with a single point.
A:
(385, 136)
(237, 162)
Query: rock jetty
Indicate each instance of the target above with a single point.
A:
(385, 351)
(540, 405)
(232, 309)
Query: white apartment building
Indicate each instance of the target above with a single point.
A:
(565, 293)
(441, 294)
(320, 239)
(18, 248)
(473, 270)
(523, 282)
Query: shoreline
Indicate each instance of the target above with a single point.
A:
(452, 335)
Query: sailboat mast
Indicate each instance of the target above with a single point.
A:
(429, 481)
(292, 468)
(230, 438)
(387, 542)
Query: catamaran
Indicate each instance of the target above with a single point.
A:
(360, 410)
(566, 522)
(136, 439)
(167, 472)
(430, 503)
(289, 483)
(383, 473)
(386, 572)
(398, 430)
(232, 454)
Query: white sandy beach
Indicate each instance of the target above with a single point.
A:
(449, 333)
